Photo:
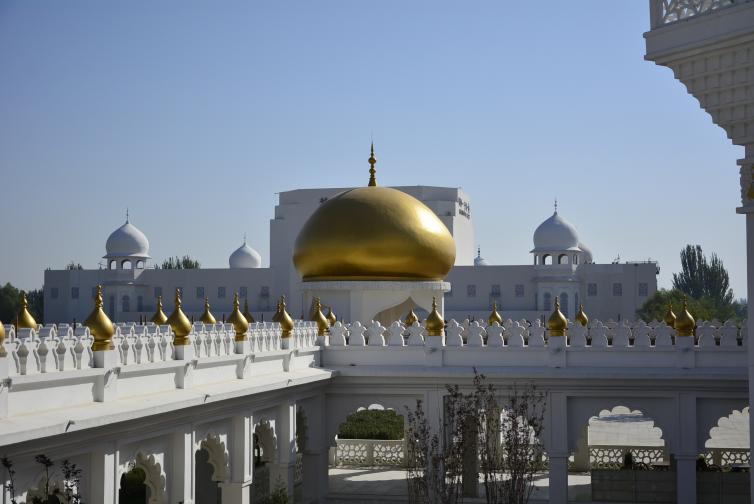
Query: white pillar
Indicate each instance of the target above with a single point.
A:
(285, 468)
(558, 449)
(316, 452)
(236, 491)
(181, 477)
(686, 453)
(106, 384)
(104, 474)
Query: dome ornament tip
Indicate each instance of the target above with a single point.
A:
(372, 172)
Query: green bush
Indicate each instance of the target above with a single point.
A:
(372, 424)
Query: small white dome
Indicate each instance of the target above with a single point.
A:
(127, 241)
(479, 260)
(586, 254)
(555, 234)
(245, 257)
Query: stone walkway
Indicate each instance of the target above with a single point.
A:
(372, 485)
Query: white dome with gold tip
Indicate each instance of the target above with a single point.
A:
(127, 241)
(245, 257)
(555, 233)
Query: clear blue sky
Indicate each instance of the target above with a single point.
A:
(194, 114)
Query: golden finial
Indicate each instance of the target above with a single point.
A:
(159, 316)
(246, 313)
(100, 325)
(286, 322)
(3, 352)
(278, 312)
(670, 316)
(323, 325)
(207, 316)
(581, 317)
(557, 324)
(240, 325)
(411, 318)
(24, 319)
(331, 318)
(685, 325)
(435, 323)
(495, 316)
(372, 171)
(179, 322)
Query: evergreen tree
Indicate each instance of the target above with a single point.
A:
(701, 278)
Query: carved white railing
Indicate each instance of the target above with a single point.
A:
(726, 457)
(612, 457)
(370, 452)
(669, 11)
(56, 348)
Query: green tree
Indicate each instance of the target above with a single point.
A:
(36, 299)
(705, 308)
(185, 262)
(701, 278)
(10, 303)
(372, 424)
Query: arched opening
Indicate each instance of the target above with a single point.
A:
(575, 258)
(206, 489)
(113, 264)
(536, 259)
(125, 304)
(728, 445)
(125, 264)
(564, 304)
(547, 301)
(133, 488)
(547, 259)
(622, 448)
(264, 452)
(140, 264)
(563, 259)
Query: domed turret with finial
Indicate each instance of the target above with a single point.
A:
(207, 316)
(240, 325)
(99, 325)
(323, 325)
(159, 316)
(25, 320)
(581, 317)
(435, 323)
(179, 322)
(495, 316)
(685, 325)
(557, 324)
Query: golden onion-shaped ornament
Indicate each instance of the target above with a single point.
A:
(25, 319)
(286, 322)
(411, 318)
(331, 318)
(3, 352)
(495, 316)
(179, 322)
(323, 325)
(246, 313)
(159, 316)
(99, 325)
(435, 323)
(685, 325)
(240, 325)
(581, 317)
(207, 316)
(670, 317)
(557, 324)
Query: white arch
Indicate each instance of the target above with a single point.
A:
(219, 458)
(155, 477)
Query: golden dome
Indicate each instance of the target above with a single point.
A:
(557, 323)
(100, 325)
(495, 316)
(331, 318)
(24, 319)
(3, 352)
(246, 313)
(207, 316)
(685, 323)
(374, 233)
(179, 322)
(159, 316)
(435, 323)
(240, 325)
(323, 325)
(581, 317)
(670, 316)
(411, 318)
(286, 322)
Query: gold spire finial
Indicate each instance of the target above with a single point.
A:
(331, 318)
(240, 325)
(159, 316)
(207, 316)
(100, 325)
(670, 316)
(372, 171)
(435, 323)
(3, 352)
(323, 325)
(685, 325)
(411, 318)
(179, 322)
(581, 317)
(246, 313)
(495, 316)
(25, 319)
(557, 324)
(286, 322)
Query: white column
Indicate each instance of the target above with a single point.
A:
(316, 452)
(236, 491)
(182, 472)
(686, 453)
(286, 435)
(104, 474)
(558, 449)
(106, 384)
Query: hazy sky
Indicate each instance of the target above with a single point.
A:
(194, 114)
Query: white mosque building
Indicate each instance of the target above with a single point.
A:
(562, 266)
